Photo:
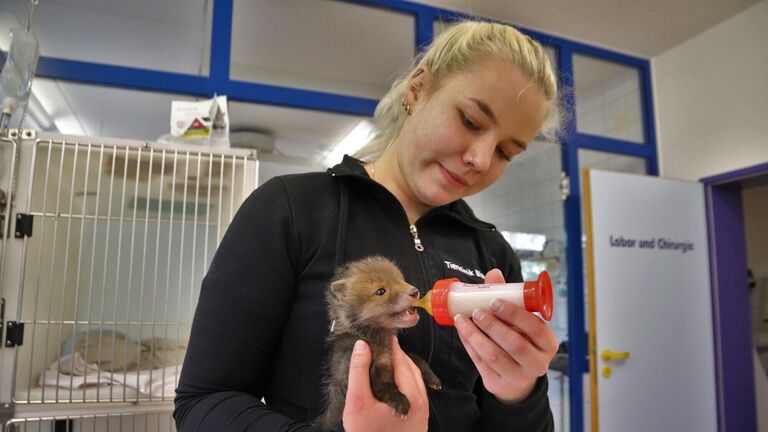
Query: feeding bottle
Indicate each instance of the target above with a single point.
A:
(449, 297)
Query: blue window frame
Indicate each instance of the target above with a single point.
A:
(219, 82)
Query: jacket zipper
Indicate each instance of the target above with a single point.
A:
(420, 248)
(416, 241)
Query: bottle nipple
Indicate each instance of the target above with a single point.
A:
(425, 302)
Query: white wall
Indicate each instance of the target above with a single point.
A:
(711, 102)
(711, 95)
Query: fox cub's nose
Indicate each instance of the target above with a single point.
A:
(414, 293)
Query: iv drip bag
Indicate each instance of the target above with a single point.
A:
(19, 68)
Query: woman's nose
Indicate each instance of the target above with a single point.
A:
(478, 156)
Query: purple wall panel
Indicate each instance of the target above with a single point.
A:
(732, 326)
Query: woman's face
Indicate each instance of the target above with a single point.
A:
(461, 136)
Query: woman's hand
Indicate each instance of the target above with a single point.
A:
(510, 346)
(363, 412)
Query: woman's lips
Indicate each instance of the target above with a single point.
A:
(454, 179)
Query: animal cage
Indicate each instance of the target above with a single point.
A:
(104, 246)
(115, 422)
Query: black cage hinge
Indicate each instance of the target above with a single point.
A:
(6, 412)
(23, 225)
(14, 334)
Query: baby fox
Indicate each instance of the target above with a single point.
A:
(369, 300)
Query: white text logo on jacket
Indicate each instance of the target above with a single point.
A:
(464, 270)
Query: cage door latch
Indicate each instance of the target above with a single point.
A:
(14, 334)
(23, 225)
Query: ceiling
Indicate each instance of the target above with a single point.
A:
(642, 28)
(323, 45)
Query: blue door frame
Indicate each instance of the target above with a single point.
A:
(220, 82)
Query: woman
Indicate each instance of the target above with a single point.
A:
(447, 129)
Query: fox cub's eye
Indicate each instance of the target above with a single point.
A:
(381, 292)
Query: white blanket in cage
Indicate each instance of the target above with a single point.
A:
(72, 372)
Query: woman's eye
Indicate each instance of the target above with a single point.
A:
(381, 292)
(503, 155)
(468, 123)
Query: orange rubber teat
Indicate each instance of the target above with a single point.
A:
(425, 302)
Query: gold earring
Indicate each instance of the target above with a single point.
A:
(406, 106)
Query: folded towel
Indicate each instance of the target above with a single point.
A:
(114, 352)
(72, 371)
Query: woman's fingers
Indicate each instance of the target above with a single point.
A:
(407, 375)
(363, 412)
(482, 367)
(486, 351)
(503, 375)
(359, 385)
(527, 324)
(504, 339)
(494, 276)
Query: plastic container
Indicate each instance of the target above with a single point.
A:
(449, 297)
(20, 65)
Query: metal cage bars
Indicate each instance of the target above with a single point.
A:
(142, 421)
(123, 236)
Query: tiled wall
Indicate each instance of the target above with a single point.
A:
(527, 197)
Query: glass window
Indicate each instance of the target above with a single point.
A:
(608, 99)
(527, 199)
(611, 161)
(552, 54)
(169, 35)
(321, 45)
(439, 26)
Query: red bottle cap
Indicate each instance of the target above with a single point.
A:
(440, 311)
(538, 296)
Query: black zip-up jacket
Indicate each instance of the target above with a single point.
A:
(260, 326)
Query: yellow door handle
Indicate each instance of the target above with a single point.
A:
(608, 355)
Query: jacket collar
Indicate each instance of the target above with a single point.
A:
(458, 209)
(349, 166)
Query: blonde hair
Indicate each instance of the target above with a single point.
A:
(454, 51)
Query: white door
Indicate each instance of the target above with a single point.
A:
(651, 347)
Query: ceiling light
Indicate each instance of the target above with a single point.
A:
(69, 124)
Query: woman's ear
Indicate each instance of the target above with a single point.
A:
(417, 84)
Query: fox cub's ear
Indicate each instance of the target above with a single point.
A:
(338, 288)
